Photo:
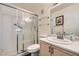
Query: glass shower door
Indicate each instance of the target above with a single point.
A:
(28, 30)
(28, 33)
(7, 30)
(8, 34)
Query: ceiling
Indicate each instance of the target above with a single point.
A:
(34, 7)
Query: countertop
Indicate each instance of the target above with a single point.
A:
(74, 47)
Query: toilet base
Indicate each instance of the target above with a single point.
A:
(35, 53)
(33, 49)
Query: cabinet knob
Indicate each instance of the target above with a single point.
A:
(51, 50)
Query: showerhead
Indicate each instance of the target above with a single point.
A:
(18, 26)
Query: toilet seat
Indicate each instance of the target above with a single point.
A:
(33, 48)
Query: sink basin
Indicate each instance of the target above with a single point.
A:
(59, 41)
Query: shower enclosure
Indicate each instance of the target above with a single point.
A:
(18, 30)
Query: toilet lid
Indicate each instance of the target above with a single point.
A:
(34, 46)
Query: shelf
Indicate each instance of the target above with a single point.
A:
(59, 7)
(43, 24)
(44, 17)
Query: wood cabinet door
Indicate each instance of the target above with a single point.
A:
(61, 52)
(44, 49)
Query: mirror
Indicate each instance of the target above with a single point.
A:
(71, 20)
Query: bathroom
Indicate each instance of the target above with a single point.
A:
(39, 29)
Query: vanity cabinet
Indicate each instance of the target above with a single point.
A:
(46, 49)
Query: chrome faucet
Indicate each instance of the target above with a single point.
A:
(60, 35)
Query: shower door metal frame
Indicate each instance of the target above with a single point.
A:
(26, 11)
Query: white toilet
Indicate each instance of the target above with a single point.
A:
(33, 49)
